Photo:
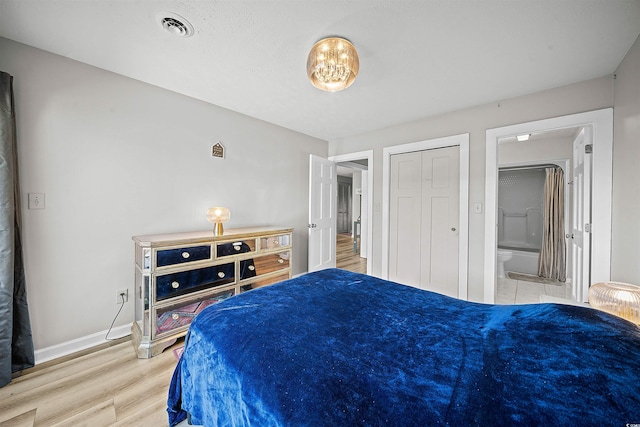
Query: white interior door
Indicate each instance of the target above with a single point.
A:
(581, 218)
(405, 218)
(423, 219)
(322, 213)
(440, 213)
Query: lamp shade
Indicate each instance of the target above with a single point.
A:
(218, 215)
(333, 64)
(620, 299)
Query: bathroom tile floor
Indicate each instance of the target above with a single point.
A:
(522, 292)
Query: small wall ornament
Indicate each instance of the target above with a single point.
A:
(217, 150)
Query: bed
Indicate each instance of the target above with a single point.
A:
(334, 348)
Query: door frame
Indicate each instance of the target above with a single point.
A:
(368, 156)
(461, 141)
(601, 122)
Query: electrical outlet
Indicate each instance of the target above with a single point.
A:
(122, 294)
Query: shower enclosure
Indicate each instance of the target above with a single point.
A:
(520, 216)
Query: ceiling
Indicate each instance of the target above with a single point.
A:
(418, 58)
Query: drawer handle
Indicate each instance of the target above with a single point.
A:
(252, 267)
(280, 260)
(237, 247)
(175, 316)
(276, 242)
(175, 285)
(221, 274)
(185, 255)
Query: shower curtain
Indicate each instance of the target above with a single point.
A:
(16, 344)
(552, 261)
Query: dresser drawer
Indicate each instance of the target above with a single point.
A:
(235, 248)
(265, 264)
(176, 316)
(264, 281)
(183, 282)
(275, 242)
(167, 257)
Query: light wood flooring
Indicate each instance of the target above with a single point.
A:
(108, 387)
(346, 258)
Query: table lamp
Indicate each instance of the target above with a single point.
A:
(620, 299)
(218, 216)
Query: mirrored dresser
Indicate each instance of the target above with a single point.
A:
(179, 275)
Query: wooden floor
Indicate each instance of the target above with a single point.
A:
(109, 387)
(346, 258)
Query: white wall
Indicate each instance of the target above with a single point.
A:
(625, 242)
(535, 150)
(116, 158)
(585, 96)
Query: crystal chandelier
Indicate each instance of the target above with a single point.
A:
(332, 64)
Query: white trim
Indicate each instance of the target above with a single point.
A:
(64, 349)
(602, 124)
(462, 141)
(360, 155)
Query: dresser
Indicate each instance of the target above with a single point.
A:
(179, 275)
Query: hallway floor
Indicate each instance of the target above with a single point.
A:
(522, 292)
(346, 258)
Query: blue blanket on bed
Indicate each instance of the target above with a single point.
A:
(334, 348)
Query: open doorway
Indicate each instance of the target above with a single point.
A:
(353, 217)
(349, 251)
(598, 128)
(534, 216)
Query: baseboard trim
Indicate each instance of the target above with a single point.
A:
(66, 348)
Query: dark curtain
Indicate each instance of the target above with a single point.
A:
(16, 344)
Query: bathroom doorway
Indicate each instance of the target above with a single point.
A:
(590, 219)
(523, 196)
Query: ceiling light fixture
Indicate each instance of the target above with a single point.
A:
(333, 64)
(522, 138)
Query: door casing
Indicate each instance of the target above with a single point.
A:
(461, 141)
(364, 155)
(601, 123)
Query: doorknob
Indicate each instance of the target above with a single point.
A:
(313, 225)
(569, 236)
(453, 229)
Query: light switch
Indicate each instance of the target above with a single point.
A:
(36, 200)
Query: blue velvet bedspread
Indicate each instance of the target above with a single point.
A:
(334, 348)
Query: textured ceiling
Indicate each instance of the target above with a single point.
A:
(417, 58)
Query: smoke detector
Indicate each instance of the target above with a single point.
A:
(175, 24)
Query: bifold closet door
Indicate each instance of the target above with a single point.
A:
(423, 215)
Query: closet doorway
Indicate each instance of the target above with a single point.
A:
(423, 219)
(403, 240)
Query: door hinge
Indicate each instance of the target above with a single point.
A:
(587, 228)
(588, 149)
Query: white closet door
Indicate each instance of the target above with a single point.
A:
(440, 213)
(423, 219)
(404, 218)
